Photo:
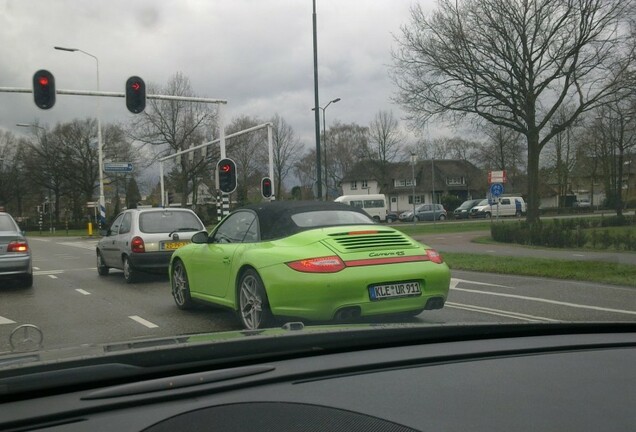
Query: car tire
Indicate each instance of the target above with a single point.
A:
(253, 306)
(442, 217)
(130, 274)
(376, 219)
(487, 215)
(181, 286)
(102, 269)
(26, 281)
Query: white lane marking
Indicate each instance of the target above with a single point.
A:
(491, 251)
(36, 268)
(4, 320)
(52, 276)
(455, 281)
(578, 255)
(499, 312)
(48, 272)
(81, 291)
(142, 321)
(555, 302)
(38, 239)
(81, 244)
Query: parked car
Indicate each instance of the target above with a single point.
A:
(463, 211)
(505, 206)
(582, 203)
(425, 212)
(15, 254)
(391, 217)
(307, 260)
(143, 240)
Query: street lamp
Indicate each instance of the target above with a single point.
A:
(413, 160)
(102, 200)
(324, 146)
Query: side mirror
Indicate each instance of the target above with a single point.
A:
(200, 238)
(104, 232)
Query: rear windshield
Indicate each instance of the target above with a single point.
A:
(6, 224)
(168, 221)
(329, 218)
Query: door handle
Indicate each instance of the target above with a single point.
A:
(226, 260)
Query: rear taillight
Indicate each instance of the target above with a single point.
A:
(18, 246)
(434, 256)
(330, 264)
(137, 245)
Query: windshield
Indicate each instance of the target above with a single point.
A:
(215, 124)
(168, 221)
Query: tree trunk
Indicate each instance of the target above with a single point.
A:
(532, 215)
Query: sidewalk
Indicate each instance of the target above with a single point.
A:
(462, 243)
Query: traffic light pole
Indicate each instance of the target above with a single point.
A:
(220, 140)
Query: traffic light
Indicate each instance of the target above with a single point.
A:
(135, 94)
(266, 187)
(227, 175)
(44, 89)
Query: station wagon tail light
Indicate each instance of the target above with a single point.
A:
(329, 264)
(434, 256)
(137, 245)
(18, 246)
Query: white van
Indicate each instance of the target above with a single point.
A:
(508, 206)
(374, 204)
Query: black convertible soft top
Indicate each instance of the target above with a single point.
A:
(275, 217)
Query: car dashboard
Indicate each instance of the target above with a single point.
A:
(581, 381)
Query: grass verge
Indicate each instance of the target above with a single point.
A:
(442, 227)
(590, 271)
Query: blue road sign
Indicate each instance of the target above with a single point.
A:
(496, 189)
(118, 167)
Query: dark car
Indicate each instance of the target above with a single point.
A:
(15, 255)
(463, 211)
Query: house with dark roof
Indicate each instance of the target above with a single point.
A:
(425, 181)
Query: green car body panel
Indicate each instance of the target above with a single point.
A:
(372, 255)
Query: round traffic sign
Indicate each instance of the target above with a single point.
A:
(496, 189)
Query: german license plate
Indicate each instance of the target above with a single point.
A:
(394, 290)
(174, 245)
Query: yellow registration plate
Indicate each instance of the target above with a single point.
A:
(174, 245)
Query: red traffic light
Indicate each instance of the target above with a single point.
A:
(227, 175)
(44, 89)
(135, 94)
(266, 187)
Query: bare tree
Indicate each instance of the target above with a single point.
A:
(172, 126)
(286, 151)
(347, 146)
(513, 63)
(504, 150)
(616, 124)
(13, 175)
(562, 152)
(385, 137)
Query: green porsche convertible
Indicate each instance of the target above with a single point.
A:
(315, 261)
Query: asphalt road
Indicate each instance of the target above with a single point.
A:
(72, 305)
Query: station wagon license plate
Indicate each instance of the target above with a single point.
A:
(172, 245)
(394, 290)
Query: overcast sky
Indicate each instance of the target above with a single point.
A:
(257, 54)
